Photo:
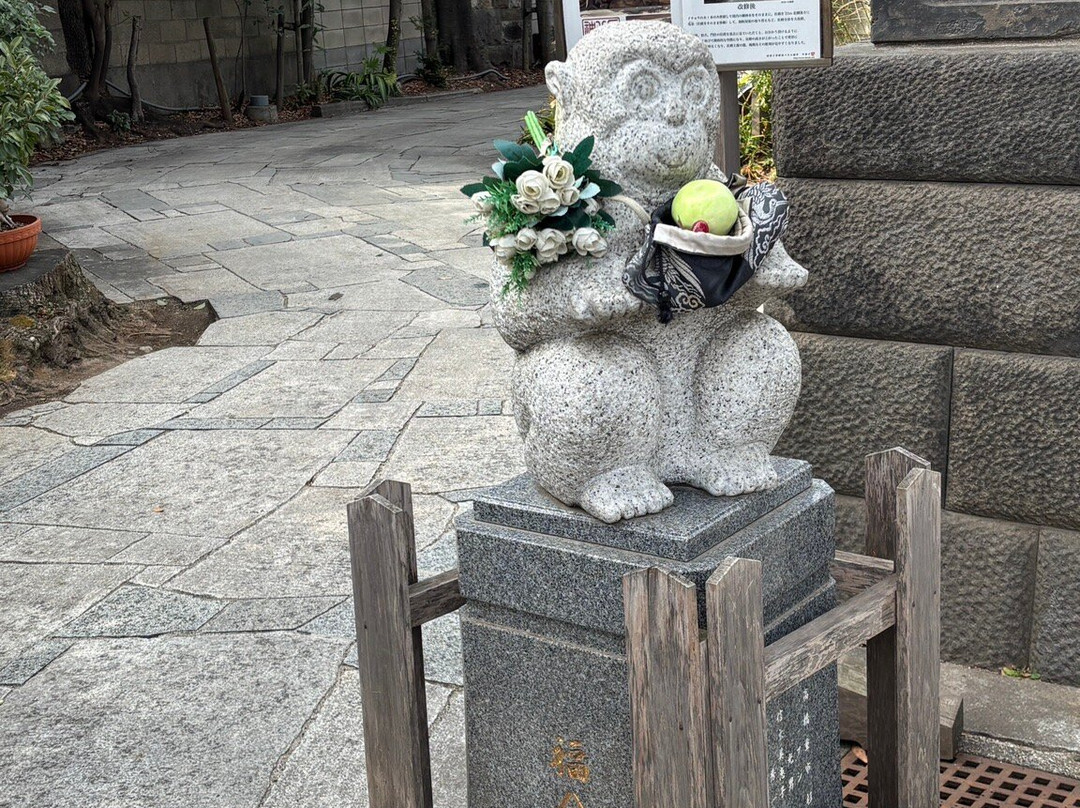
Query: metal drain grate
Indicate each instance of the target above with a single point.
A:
(978, 783)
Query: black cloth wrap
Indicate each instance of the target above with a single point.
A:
(674, 281)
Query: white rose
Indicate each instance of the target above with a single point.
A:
(549, 202)
(592, 206)
(558, 172)
(504, 248)
(588, 241)
(525, 239)
(527, 206)
(550, 244)
(531, 185)
(568, 196)
(483, 202)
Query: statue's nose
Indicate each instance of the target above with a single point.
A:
(674, 111)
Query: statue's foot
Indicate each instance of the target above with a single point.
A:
(625, 493)
(732, 473)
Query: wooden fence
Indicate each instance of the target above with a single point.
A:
(698, 707)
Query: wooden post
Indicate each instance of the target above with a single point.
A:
(918, 629)
(389, 648)
(736, 648)
(727, 145)
(667, 690)
(223, 95)
(884, 473)
(133, 84)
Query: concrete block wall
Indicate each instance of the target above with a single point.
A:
(174, 66)
(352, 30)
(936, 194)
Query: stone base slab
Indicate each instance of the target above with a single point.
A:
(581, 583)
(534, 688)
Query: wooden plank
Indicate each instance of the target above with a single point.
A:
(852, 676)
(918, 631)
(736, 645)
(854, 572)
(434, 597)
(389, 648)
(819, 643)
(667, 690)
(884, 472)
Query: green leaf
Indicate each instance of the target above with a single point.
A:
(473, 188)
(604, 216)
(515, 151)
(607, 187)
(584, 148)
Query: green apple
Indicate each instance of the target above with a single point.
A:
(706, 201)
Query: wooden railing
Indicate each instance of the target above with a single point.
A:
(698, 708)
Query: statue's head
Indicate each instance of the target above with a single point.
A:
(649, 93)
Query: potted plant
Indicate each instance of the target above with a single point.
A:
(31, 110)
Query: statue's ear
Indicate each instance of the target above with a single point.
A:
(558, 81)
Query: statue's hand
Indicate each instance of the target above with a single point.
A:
(603, 303)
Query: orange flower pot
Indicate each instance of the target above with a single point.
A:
(16, 246)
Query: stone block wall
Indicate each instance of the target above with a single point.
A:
(936, 194)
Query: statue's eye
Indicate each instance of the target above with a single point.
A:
(695, 88)
(646, 86)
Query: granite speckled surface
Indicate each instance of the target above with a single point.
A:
(697, 521)
(528, 686)
(544, 651)
(613, 406)
(581, 583)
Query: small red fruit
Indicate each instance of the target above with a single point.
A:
(700, 226)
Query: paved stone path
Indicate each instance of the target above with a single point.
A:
(176, 628)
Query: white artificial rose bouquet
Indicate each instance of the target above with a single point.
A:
(543, 203)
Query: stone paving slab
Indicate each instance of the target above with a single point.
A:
(296, 390)
(349, 284)
(157, 377)
(175, 483)
(191, 721)
(139, 611)
(37, 599)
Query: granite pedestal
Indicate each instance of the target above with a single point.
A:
(546, 699)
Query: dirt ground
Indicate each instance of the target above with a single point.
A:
(139, 328)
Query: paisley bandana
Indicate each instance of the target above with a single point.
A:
(677, 270)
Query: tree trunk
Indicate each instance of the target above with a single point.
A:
(393, 36)
(76, 44)
(279, 63)
(133, 84)
(298, 39)
(457, 36)
(307, 40)
(96, 82)
(223, 95)
(429, 19)
(545, 20)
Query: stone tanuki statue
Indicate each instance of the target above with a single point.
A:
(613, 404)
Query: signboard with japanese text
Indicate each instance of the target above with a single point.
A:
(742, 34)
(745, 34)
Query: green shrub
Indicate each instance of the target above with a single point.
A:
(31, 110)
(19, 20)
(372, 85)
(432, 70)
